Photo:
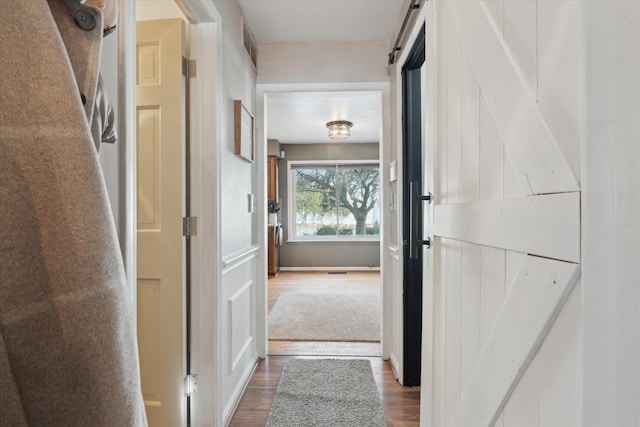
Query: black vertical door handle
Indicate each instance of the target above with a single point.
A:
(414, 220)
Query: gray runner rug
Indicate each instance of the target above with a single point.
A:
(325, 317)
(326, 393)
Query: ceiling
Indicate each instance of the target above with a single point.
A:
(317, 21)
(298, 118)
(301, 117)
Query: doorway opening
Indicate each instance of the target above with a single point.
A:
(329, 257)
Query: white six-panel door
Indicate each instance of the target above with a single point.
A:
(160, 165)
(505, 215)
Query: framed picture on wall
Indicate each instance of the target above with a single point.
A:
(243, 131)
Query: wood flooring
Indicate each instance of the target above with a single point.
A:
(401, 404)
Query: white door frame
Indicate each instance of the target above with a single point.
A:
(262, 90)
(429, 105)
(205, 138)
(418, 20)
(126, 139)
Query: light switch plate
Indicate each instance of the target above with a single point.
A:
(393, 171)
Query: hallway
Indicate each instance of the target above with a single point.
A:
(401, 404)
(526, 209)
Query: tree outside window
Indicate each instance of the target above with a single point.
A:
(337, 200)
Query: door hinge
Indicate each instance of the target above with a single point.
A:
(189, 226)
(188, 68)
(190, 384)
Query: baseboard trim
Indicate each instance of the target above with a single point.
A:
(235, 401)
(329, 268)
(394, 367)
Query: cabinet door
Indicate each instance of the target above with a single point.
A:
(272, 179)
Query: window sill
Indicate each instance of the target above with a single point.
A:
(336, 240)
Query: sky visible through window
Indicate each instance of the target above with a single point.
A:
(339, 200)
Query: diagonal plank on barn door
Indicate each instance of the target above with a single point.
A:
(547, 225)
(524, 131)
(537, 296)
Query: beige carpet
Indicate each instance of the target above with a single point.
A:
(326, 392)
(325, 317)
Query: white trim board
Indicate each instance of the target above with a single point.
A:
(552, 224)
(321, 269)
(207, 337)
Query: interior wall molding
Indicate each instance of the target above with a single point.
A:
(238, 258)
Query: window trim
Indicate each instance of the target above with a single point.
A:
(292, 238)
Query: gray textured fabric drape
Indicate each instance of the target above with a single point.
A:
(68, 350)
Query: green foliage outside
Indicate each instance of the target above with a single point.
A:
(330, 230)
(373, 230)
(352, 191)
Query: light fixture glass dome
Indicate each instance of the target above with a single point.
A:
(339, 129)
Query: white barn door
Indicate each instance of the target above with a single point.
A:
(506, 215)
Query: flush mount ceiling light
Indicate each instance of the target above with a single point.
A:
(339, 129)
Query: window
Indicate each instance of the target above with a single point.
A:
(329, 201)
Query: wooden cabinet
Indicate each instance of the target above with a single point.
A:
(272, 179)
(273, 246)
(273, 261)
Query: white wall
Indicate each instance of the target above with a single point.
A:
(392, 247)
(610, 152)
(322, 62)
(237, 226)
(147, 10)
